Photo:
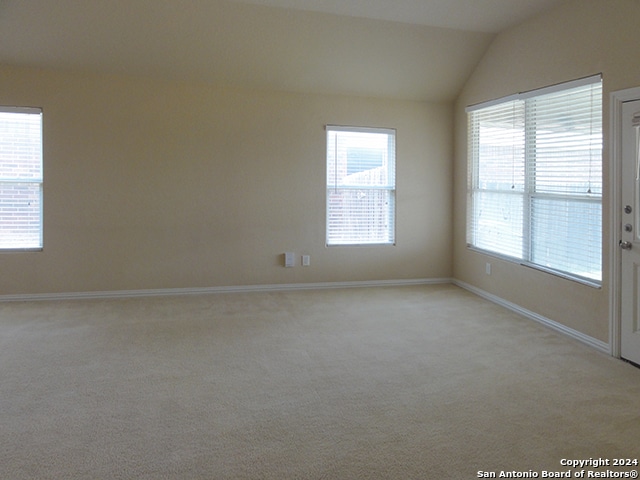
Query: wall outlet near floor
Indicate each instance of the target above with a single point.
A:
(487, 268)
(306, 260)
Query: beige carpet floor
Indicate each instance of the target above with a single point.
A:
(420, 382)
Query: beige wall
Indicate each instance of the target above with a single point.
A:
(583, 37)
(152, 184)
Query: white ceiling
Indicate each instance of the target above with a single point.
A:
(490, 16)
(405, 49)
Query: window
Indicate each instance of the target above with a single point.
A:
(361, 186)
(535, 178)
(20, 178)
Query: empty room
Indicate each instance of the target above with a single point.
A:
(282, 239)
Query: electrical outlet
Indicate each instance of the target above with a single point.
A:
(306, 260)
(488, 268)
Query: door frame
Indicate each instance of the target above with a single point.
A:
(617, 99)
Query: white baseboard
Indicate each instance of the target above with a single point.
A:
(208, 290)
(570, 332)
(581, 337)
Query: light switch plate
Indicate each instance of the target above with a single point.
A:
(289, 259)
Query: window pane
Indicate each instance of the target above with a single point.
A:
(566, 141)
(498, 223)
(360, 216)
(500, 147)
(360, 158)
(20, 215)
(20, 146)
(566, 235)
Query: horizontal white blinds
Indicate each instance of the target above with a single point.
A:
(360, 186)
(535, 179)
(20, 178)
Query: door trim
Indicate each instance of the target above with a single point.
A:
(617, 99)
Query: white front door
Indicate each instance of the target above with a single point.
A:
(630, 233)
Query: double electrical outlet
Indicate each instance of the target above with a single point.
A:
(290, 260)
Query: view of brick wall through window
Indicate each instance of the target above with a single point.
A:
(20, 178)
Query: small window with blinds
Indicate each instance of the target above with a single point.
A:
(535, 179)
(361, 186)
(20, 179)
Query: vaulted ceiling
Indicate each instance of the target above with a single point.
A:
(405, 49)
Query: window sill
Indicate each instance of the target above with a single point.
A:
(566, 276)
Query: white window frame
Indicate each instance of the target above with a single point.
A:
(27, 173)
(344, 226)
(526, 194)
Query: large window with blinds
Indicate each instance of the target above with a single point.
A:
(535, 179)
(20, 178)
(361, 186)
